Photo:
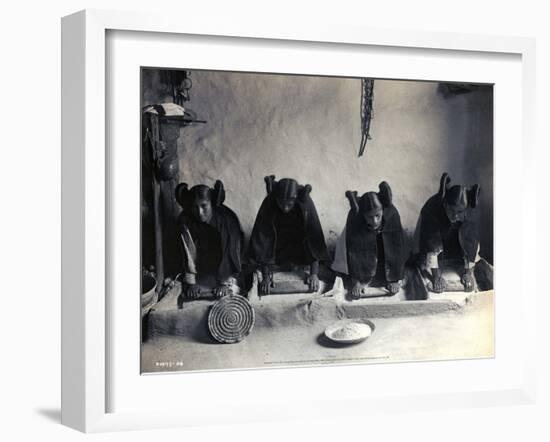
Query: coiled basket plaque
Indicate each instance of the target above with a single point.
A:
(231, 319)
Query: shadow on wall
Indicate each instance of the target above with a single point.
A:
(308, 128)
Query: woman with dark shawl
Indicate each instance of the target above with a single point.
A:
(371, 247)
(211, 240)
(448, 229)
(287, 231)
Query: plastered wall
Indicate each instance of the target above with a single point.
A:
(308, 128)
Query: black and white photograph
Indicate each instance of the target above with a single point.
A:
(292, 220)
(317, 204)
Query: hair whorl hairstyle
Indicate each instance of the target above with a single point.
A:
(218, 193)
(444, 184)
(182, 194)
(473, 195)
(304, 191)
(185, 196)
(270, 183)
(353, 202)
(385, 194)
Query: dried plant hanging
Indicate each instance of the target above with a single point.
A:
(367, 86)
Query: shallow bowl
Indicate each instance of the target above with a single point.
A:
(336, 332)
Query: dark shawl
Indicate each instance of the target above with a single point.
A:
(362, 249)
(264, 235)
(229, 236)
(435, 228)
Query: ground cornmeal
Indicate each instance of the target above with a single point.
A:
(352, 331)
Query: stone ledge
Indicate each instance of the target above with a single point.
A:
(295, 310)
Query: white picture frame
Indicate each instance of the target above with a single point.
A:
(86, 205)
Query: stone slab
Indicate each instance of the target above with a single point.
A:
(291, 310)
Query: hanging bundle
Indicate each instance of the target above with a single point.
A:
(367, 86)
(178, 83)
(453, 89)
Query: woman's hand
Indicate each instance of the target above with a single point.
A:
(393, 287)
(266, 283)
(356, 290)
(439, 284)
(313, 282)
(192, 291)
(468, 280)
(221, 291)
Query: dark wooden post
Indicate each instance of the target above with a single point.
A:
(159, 258)
(161, 167)
(157, 210)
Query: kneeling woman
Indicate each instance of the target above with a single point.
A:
(211, 240)
(447, 231)
(287, 232)
(371, 247)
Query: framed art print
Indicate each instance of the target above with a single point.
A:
(247, 209)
